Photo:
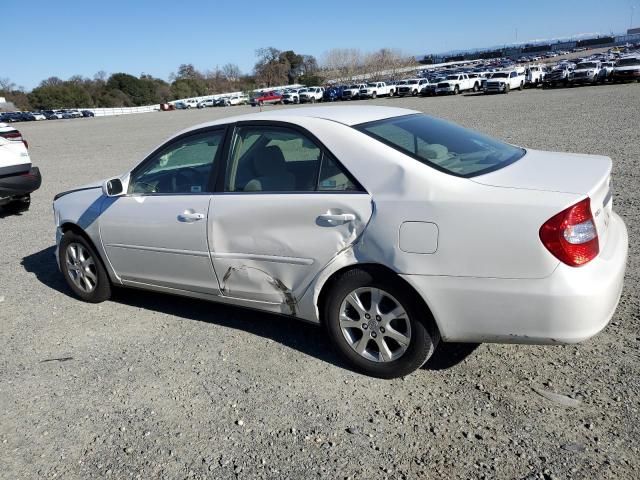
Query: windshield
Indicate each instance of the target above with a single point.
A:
(412, 82)
(452, 77)
(371, 85)
(500, 75)
(354, 86)
(443, 145)
(628, 62)
(586, 65)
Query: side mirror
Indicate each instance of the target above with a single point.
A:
(113, 187)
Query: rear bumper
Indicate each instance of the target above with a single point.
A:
(569, 306)
(20, 184)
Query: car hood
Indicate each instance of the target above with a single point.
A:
(551, 172)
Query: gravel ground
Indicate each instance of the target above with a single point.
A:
(150, 386)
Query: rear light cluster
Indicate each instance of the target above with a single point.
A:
(14, 136)
(571, 235)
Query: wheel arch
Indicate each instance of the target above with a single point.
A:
(376, 270)
(78, 230)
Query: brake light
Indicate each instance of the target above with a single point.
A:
(571, 235)
(15, 136)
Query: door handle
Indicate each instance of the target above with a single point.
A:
(337, 218)
(188, 216)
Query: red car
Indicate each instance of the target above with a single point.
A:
(262, 98)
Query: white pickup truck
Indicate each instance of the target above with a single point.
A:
(377, 89)
(534, 75)
(18, 178)
(503, 82)
(412, 87)
(311, 94)
(353, 91)
(456, 83)
(585, 72)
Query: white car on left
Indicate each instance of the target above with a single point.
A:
(18, 178)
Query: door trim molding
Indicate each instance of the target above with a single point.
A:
(174, 251)
(263, 258)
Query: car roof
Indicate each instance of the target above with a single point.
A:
(347, 115)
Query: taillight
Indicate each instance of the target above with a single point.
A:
(571, 235)
(15, 136)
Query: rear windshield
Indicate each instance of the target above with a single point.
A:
(443, 145)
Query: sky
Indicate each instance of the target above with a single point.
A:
(44, 38)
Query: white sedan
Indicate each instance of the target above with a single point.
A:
(393, 229)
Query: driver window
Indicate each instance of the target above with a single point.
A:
(183, 167)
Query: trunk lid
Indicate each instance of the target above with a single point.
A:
(583, 175)
(14, 157)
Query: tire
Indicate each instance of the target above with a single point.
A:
(456, 90)
(312, 100)
(414, 93)
(374, 95)
(521, 86)
(18, 205)
(95, 275)
(506, 88)
(416, 326)
(475, 88)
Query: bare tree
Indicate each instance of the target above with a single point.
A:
(6, 85)
(231, 72)
(343, 64)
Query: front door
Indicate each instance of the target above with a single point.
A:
(288, 208)
(157, 233)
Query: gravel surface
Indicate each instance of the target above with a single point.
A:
(151, 386)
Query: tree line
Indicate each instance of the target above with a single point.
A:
(273, 67)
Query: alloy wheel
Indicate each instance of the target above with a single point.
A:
(81, 267)
(375, 324)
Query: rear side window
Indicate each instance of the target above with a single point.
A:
(443, 145)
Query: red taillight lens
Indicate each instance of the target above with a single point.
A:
(571, 235)
(15, 136)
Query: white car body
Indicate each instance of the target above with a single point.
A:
(456, 83)
(353, 91)
(413, 87)
(238, 100)
(535, 75)
(291, 95)
(311, 94)
(587, 71)
(14, 156)
(469, 246)
(376, 89)
(38, 116)
(209, 102)
(503, 82)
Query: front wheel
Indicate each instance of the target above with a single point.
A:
(507, 88)
(83, 270)
(456, 90)
(374, 95)
(377, 326)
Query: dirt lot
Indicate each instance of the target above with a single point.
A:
(150, 386)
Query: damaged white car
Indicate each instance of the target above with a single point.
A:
(393, 229)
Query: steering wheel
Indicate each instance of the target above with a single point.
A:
(184, 179)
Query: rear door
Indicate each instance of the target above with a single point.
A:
(285, 208)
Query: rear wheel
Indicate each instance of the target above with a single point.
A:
(521, 86)
(83, 270)
(19, 204)
(377, 326)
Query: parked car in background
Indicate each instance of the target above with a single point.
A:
(534, 75)
(207, 103)
(87, 113)
(266, 98)
(311, 94)
(430, 89)
(234, 100)
(333, 94)
(504, 82)
(456, 83)
(626, 69)
(18, 178)
(38, 115)
(606, 71)
(585, 72)
(376, 89)
(387, 267)
(353, 91)
(412, 87)
(560, 75)
(291, 95)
